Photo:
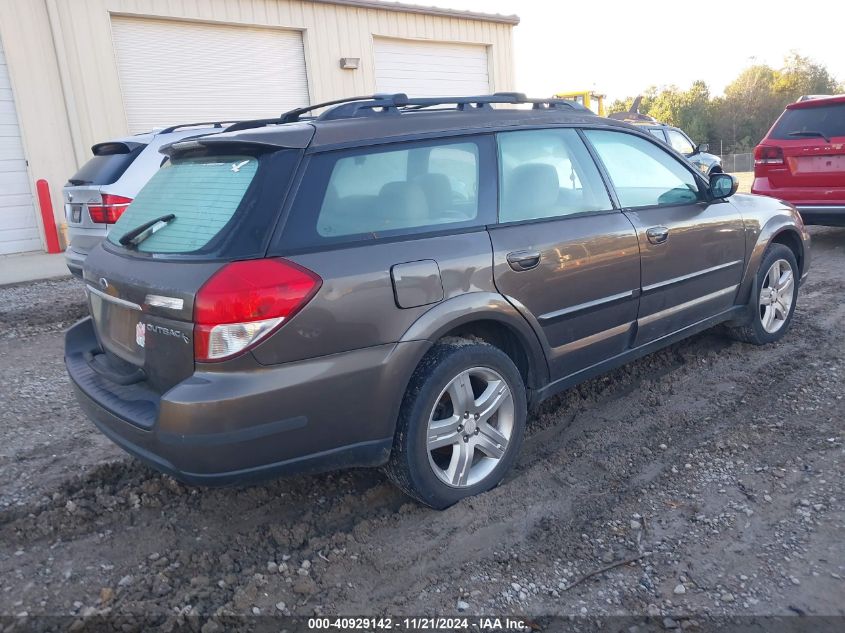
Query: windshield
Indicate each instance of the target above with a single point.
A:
(202, 193)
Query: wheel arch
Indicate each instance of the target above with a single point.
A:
(790, 238)
(489, 317)
(779, 230)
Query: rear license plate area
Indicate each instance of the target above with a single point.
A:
(820, 164)
(75, 213)
(117, 326)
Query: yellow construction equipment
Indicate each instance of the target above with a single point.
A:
(587, 98)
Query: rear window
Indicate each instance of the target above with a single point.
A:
(106, 168)
(829, 120)
(221, 206)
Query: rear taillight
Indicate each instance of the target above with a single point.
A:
(109, 210)
(243, 302)
(768, 155)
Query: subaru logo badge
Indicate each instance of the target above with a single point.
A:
(104, 284)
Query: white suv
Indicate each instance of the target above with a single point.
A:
(97, 194)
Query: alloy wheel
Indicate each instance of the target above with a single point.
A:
(470, 427)
(776, 296)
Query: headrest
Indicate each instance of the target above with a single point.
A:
(403, 204)
(437, 190)
(533, 189)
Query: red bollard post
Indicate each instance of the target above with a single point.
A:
(50, 232)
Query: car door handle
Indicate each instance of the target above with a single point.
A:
(657, 234)
(523, 260)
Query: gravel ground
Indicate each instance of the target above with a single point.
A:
(714, 467)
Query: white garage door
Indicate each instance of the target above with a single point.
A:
(178, 72)
(431, 69)
(18, 227)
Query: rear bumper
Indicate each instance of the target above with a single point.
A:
(830, 215)
(218, 428)
(74, 260)
(817, 205)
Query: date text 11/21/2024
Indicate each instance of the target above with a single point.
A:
(483, 623)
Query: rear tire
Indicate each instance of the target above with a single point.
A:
(461, 423)
(772, 305)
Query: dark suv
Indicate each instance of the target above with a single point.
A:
(396, 281)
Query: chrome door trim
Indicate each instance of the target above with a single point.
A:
(698, 273)
(592, 339)
(651, 318)
(551, 316)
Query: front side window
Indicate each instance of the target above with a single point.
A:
(656, 131)
(546, 174)
(642, 173)
(379, 191)
(680, 142)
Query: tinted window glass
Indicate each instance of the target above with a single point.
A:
(829, 120)
(642, 173)
(379, 191)
(106, 169)
(547, 173)
(680, 142)
(203, 194)
(655, 131)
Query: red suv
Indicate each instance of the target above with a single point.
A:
(802, 159)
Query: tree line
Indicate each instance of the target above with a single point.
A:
(736, 121)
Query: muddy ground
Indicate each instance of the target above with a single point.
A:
(718, 464)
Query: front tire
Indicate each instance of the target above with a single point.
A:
(461, 424)
(773, 305)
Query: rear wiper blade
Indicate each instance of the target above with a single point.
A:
(140, 233)
(811, 133)
(76, 182)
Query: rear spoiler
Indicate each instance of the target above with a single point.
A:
(288, 136)
(111, 148)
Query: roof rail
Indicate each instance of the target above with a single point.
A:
(173, 128)
(291, 116)
(351, 107)
(393, 104)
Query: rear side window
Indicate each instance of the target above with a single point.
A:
(547, 174)
(643, 174)
(799, 123)
(656, 131)
(385, 191)
(108, 165)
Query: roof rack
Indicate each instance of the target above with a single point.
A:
(173, 128)
(400, 102)
(397, 103)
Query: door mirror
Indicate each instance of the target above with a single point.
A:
(704, 147)
(723, 185)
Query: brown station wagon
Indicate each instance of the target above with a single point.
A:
(395, 282)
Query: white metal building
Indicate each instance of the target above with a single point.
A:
(74, 73)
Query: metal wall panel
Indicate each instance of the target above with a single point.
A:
(175, 72)
(430, 69)
(18, 227)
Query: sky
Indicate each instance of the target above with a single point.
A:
(603, 45)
